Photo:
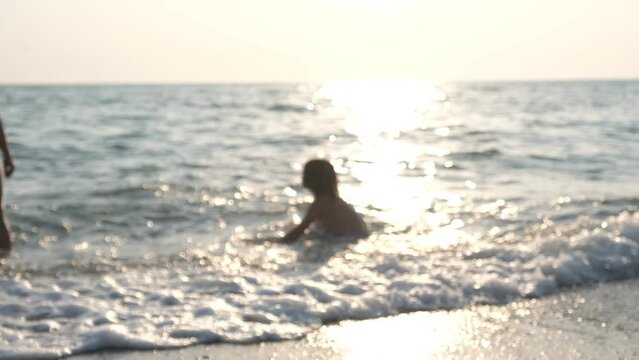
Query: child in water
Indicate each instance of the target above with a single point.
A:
(328, 209)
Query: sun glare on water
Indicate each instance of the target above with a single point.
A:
(373, 108)
(393, 177)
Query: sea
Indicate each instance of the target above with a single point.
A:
(149, 216)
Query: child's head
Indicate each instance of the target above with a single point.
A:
(319, 177)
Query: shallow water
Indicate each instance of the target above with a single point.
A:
(146, 216)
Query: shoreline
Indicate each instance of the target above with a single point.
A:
(596, 322)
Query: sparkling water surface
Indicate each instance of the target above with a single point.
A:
(148, 216)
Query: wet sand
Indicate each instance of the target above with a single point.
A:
(599, 322)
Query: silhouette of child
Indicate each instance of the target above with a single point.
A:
(328, 209)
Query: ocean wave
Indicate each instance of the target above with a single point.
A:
(479, 154)
(548, 158)
(177, 306)
(289, 108)
(124, 191)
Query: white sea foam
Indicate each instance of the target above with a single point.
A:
(179, 306)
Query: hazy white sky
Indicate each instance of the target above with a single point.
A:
(71, 41)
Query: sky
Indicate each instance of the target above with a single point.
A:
(200, 41)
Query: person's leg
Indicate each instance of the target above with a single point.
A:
(5, 235)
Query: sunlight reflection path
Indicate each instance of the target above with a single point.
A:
(389, 177)
(398, 338)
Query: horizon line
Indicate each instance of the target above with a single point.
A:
(291, 82)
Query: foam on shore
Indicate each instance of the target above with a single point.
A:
(50, 317)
